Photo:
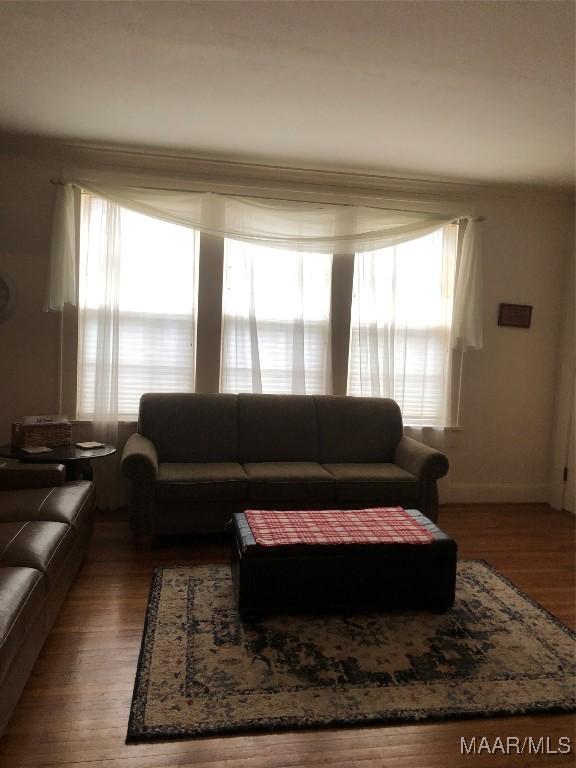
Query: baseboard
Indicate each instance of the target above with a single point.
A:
(505, 493)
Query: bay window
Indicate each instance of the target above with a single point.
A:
(273, 315)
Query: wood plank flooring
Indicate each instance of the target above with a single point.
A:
(74, 710)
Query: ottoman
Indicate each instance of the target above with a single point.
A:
(341, 560)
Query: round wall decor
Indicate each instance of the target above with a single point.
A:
(7, 295)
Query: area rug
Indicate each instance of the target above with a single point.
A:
(203, 671)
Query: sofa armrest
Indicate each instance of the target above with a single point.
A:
(21, 476)
(139, 458)
(420, 460)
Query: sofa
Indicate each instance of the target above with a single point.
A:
(198, 458)
(45, 526)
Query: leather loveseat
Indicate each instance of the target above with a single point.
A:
(45, 526)
(196, 459)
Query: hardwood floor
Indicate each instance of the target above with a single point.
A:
(74, 710)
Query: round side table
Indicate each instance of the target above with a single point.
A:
(76, 460)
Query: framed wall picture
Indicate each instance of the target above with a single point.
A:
(515, 315)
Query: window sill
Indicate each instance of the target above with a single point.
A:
(434, 429)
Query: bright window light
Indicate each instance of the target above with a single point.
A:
(147, 270)
(276, 308)
(400, 326)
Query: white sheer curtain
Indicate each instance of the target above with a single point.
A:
(137, 312)
(467, 330)
(99, 316)
(402, 308)
(62, 285)
(287, 224)
(275, 325)
(305, 226)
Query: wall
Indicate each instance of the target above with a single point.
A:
(29, 339)
(502, 452)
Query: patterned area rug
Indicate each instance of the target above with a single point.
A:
(203, 671)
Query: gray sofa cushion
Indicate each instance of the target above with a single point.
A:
(277, 428)
(191, 427)
(289, 482)
(215, 481)
(357, 429)
(381, 483)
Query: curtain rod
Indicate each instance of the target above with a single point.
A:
(58, 182)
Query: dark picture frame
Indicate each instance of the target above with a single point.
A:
(515, 315)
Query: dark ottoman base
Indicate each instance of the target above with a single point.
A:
(343, 577)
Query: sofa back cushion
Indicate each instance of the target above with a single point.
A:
(191, 427)
(357, 429)
(277, 428)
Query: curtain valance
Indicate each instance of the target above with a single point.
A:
(313, 227)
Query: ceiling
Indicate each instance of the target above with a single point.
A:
(464, 90)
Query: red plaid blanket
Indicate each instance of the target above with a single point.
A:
(382, 525)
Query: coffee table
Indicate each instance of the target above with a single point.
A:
(343, 577)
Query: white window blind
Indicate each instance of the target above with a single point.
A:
(137, 309)
(400, 326)
(275, 326)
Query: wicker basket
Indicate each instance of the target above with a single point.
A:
(32, 435)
